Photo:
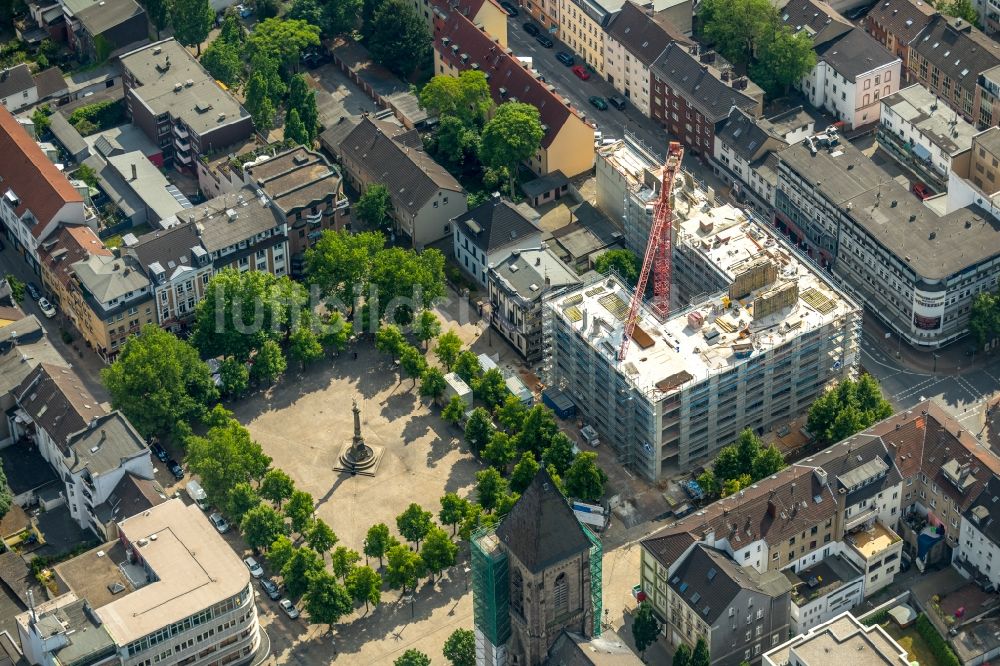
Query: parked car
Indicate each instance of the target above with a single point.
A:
(270, 588)
(159, 452)
(531, 28)
(581, 72)
(598, 102)
(618, 102)
(289, 608)
(244, 10)
(544, 40)
(255, 569)
(175, 469)
(921, 191)
(46, 308)
(510, 8)
(312, 59)
(220, 523)
(565, 58)
(33, 291)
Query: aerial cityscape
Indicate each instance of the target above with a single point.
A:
(499, 332)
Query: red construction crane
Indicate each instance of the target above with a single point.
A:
(657, 255)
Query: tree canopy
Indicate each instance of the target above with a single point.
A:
(326, 599)
(460, 648)
(415, 523)
(645, 628)
(403, 568)
(847, 409)
(192, 21)
(224, 457)
(624, 262)
(984, 320)
(339, 264)
(397, 37)
(513, 135)
(465, 97)
(283, 39)
(374, 208)
(585, 479)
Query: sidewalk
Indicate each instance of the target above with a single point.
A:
(951, 359)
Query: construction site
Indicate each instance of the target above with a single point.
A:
(754, 333)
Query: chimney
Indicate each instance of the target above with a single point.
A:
(135, 174)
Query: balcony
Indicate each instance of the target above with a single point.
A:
(871, 544)
(182, 144)
(181, 131)
(860, 518)
(904, 153)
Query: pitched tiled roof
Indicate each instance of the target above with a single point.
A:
(698, 83)
(821, 22)
(494, 224)
(25, 170)
(984, 512)
(747, 137)
(642, 35)
(50, 82)
(541, 529)
(464, 46)
(15, 80)
(67, 246)
(170, 248)
(854, 53)
(958, 49)
(57, 401)
(903, 19)
(108, 278)
(393, 157)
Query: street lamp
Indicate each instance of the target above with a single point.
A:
(936, 355)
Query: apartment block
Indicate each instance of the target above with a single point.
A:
(178, 105)
(629, 177)
(169, 589)
(583, 25)
(688, 385)
(68, 245)
(978, 554)
(487, 234)
(744, 155)
(915, 269)
(973, 175)
(823, 591)
(895, 24)
(840, 640)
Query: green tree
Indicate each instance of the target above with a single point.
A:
(342, 561)
(158, 12)
(645, 628)
(232, 29)
(283, 39)
(377, 542)
(413, 362)
(412, 658)
(491, 388)
(364, 585)
(460, 648)
(447, 349)
(40, 117)
(748, 447)
(735, 484)
(415, 523)
(453, 509)
(258, 102)
(453, 141)
(241, 499)
(374, 207)
(433, 384)
(700, 656)
(768, 461)
(438, 551)
(537, 430)
(268, 364)
(302, 99)
(624, 262)
(304, 346)
(6, 496)
(963, 9)
(340, 263)
(709, 483)
(235, 377)
(157, 381)
(299, 510)
(406, 282)
(335, 333)
(192, 21)
(295, 131)
(585, 479)
(276, 486)
(225, 457)
(327, 600)
(240, 312)
(476, 518)
(389, 340)
(737, 27)
(87, 175)
(510, 414)
(426, 327)
(17, 288)
(559, 454)
(261, 526)
(465, 97)
(279, 552)
(454, 410)
(478, 430)
(506, 503)
(321, 536)
(783, 59)
(301, 566)
(512, 136)
(403, 568)
(682, 657)
(490, 487)
(727, 463)
(524, 472)
(398, 37)
(467, 367)
(223, 61)
(499, 451)
(847, 409)
(984, 320)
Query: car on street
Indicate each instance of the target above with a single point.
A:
(531, 28)
(33, 291)
(175, 469)
(545, 40)
(46, 308)
(270, 588)
(618, 102)
(598, 102)
(159, 452)
(510, 8)
(255, 569)
(289, 608)
(565, 58)
(581, 72)
(220, 523)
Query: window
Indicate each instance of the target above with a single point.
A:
(561, 595)
(517, 592)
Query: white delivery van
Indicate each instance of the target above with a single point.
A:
(197, 493)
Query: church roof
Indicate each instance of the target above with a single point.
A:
(541, 529)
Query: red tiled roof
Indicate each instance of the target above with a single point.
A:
(504, 71)
(25, 169)
(67, 246)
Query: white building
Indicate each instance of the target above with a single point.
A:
(842, 640)
(628, 183)
(978, 552)
(487, 234)
(89, 449)
(17, 88)
(744, 157)
(823, 591)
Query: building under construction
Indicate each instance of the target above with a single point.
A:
(763, 335)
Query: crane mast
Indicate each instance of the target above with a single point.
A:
(657, 257)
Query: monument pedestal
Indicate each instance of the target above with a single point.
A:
(358, 457)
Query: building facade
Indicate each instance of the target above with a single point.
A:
(744, 155)
(629, 177)
(582, 26)
(978, 553)
(895, 24)
(487, 234)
